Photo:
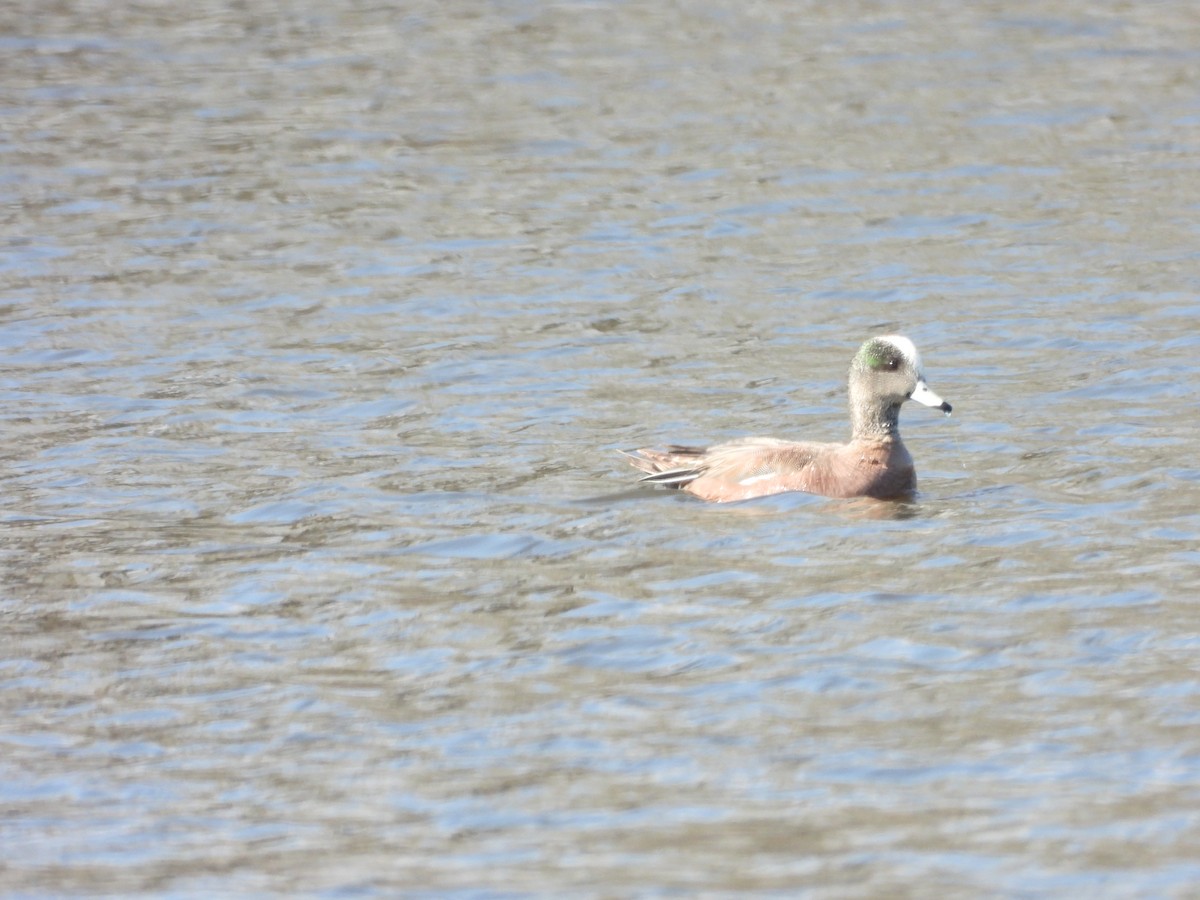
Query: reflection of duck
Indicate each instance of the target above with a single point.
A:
(885, 372)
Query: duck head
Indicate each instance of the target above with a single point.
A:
(885, 372)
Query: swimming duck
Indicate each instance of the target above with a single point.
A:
(885, 373)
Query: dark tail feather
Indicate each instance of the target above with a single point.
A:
(675, 478)
(663, 467)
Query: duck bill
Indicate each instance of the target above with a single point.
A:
(923, 395)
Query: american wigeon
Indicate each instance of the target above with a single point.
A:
(885, 372)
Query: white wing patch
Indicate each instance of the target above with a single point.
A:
(754, 478)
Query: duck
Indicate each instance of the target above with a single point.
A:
(885, 373)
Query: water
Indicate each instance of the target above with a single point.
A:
(321, 327)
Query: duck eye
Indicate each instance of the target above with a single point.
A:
(884, 361)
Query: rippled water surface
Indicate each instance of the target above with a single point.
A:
(320, 328)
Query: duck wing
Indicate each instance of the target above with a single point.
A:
(741, 462)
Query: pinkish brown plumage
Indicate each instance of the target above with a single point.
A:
(885, 373)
